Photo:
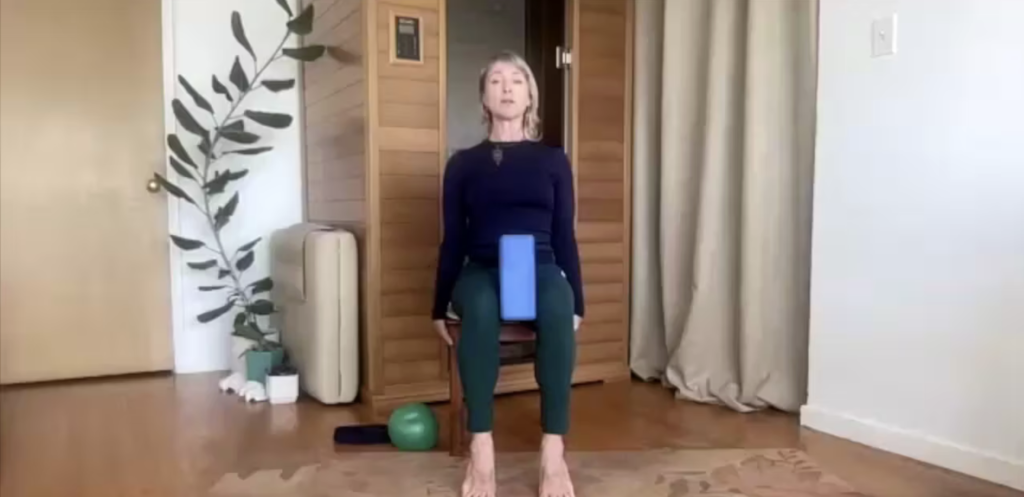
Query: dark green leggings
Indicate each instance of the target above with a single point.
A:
(475, 300)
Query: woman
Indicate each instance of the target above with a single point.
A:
(510, 184)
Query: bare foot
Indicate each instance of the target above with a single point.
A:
(480, 481)
(554, 472)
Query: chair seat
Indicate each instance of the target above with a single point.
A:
(511, 332)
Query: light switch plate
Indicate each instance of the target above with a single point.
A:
(883, 36)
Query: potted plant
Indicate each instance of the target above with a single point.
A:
(208, 163)
(283, 384)
(263, 355)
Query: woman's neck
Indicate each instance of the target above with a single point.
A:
(507, 131)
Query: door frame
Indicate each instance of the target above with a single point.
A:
(177, 290)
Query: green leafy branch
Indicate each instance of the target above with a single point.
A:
(209, 183)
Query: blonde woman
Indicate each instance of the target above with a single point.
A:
(510, 184)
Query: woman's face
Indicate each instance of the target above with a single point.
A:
(506, 92)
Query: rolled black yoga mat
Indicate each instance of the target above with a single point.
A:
(362, 435)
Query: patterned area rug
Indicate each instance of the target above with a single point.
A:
(668, 473)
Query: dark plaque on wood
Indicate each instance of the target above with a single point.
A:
(407, 39)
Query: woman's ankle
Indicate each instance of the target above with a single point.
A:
(483, 436)
(552, 443)
(483, 441)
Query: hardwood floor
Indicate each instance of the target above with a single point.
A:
(175, 436)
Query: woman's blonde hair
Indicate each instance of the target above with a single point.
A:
(531, 118)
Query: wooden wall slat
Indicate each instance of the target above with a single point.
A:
(599, 170)
(596, 231)
(600, 150)
(593, 353)
(602, 58)
(428, 71)
(404, 187)
(332, 83)
(605, 87)
(409, 257)
(406, 303)
(408, 91)
(408, 139)
(336, 104)
(406, 327)
(601, 293)
(600, 190)
(603, 272)
(601, 252)
(338, 189)
(402, 162)
(397, 373)
(408, 211)
(337, 146)
(410, 349)
(338, 212)
(342, 168)
(599, 332)
(601, 210)
(336, 24)
(606, 312)
(409, 115)
(425, 231)
(431, 5)
(335, 120)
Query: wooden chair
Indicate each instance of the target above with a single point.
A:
(518, 346)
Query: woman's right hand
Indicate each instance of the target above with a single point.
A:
(442, 330)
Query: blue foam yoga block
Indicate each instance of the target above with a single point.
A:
(517, 277)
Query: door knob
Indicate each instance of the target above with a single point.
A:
(152, 186)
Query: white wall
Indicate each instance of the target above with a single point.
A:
(917, 322)
(198, 43)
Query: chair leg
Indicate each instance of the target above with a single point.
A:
(455, 411)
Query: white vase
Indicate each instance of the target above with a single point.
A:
(283, 389)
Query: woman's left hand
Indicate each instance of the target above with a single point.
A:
(576, 320)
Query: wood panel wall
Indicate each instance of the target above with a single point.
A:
(601, 155)
(334, 94)
(409, 145)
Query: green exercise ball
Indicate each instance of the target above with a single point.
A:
(413, 427)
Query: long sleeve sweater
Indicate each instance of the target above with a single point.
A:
(529, 192)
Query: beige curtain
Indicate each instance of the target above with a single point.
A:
(723, 157)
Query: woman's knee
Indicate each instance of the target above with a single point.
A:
(554, 296)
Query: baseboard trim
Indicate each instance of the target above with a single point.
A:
(916, 445)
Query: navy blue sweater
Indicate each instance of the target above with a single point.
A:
(530, 192)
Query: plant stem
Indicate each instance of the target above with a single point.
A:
(206, 209)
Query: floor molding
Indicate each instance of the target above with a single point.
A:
(916, 445)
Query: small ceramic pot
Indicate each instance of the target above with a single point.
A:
(283, 389)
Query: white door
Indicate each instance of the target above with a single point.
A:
(84, 283)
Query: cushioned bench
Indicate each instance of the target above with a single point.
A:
(316, 288)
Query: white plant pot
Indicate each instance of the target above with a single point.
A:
(283, 389)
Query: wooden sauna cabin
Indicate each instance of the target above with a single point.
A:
(382, 114)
